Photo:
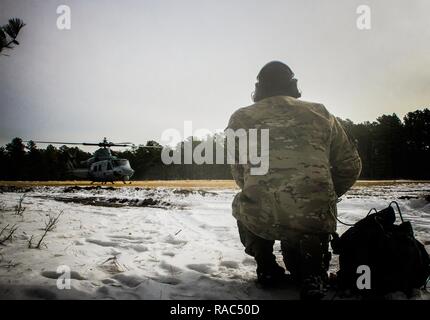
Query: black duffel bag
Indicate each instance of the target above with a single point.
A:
(396, 260)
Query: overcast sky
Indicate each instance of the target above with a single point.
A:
(130, 69)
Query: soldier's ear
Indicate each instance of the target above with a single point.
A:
(294, 90)
(256, 95)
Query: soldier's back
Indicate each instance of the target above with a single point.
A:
(297, 192)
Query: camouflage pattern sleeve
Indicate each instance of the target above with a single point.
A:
(237, 170)
(344, 159)
(237, 173)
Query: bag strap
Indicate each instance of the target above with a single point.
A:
(349, 224)
(426, 283)
(376, 211)
(398, 209)
(344, 223)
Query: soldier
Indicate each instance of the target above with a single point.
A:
(312, 162)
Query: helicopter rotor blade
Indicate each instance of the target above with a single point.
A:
(115, 144)
(100, 144)
(56, 142)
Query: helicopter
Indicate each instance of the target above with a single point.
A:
(102, 166)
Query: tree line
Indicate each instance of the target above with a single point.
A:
(394, 149)
(390, 148)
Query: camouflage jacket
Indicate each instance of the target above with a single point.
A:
(312, 162)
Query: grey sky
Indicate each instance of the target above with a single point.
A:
(130, 69)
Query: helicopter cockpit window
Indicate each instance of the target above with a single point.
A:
(120, 162)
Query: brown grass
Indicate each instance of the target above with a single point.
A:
(183, 184)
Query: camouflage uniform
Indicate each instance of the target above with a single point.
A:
(312, 162)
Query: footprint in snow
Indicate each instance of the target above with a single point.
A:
(171, 240)
(103, 243)
(128, 280)
(127, 245)
(170, 268)
(230, 264)
(137, 247)
(111, 282)
(169, 254)
(202, 268)
(126, 237)
(167, 280)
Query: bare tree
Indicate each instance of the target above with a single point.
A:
(49, 226)
(8, 233)
(39, 244)
(19, 209)
(52, 222)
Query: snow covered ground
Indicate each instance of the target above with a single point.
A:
(138, 243)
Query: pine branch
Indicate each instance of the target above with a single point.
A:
(10, 30)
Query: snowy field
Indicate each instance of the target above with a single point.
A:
(141, 243)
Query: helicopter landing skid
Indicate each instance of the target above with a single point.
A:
(103, 182)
